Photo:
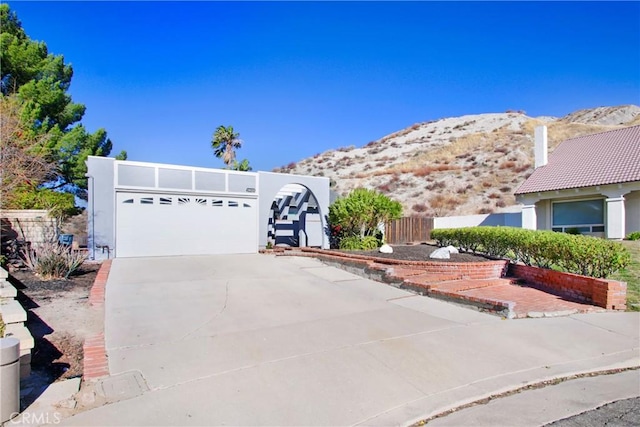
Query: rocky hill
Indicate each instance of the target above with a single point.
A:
(458, 165)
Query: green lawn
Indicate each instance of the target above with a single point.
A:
(631, 275)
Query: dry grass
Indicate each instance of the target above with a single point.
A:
(480, 170)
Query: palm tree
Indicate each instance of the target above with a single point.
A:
(224, 143)
(242, 166)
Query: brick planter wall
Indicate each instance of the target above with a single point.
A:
(96, 364)
(465, 270)
(609, 294)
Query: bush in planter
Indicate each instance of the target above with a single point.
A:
(634, 236)
(359, 214)
(589, 256)
(357, 243)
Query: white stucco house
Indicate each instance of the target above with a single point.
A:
(589, 183)
(139, 209)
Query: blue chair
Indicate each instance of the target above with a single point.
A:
(65, 239)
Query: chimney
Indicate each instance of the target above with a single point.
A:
(540, 149)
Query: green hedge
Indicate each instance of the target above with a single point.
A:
(585, 255)
(357, 243)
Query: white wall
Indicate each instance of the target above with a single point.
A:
(543, 214)
(508, 219)
(632, 205)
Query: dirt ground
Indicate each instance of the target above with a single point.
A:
(59, 318)
(420, 253)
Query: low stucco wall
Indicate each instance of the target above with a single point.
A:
(506, 219)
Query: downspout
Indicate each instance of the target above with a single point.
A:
(93, 223)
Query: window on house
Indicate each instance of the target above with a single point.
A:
(584, 216)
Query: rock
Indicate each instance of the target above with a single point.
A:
(385, 249)
(452, 249)
(87, 397)
(68, 404)
(440, 253)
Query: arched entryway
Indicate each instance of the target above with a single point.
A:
(295, 219)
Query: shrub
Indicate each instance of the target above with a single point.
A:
(51, 260)
(577, 254)
(362, 211)
(357, 243)
(419, 207)
(634, 236)
(60, 205)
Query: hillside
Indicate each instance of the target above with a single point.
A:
(458, 165)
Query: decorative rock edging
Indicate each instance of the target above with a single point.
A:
(95, 360)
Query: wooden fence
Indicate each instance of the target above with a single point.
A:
(409, 230)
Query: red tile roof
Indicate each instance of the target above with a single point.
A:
(603, 158)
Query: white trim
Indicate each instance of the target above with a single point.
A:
(181, 167)
(596, 190)
(173, 191)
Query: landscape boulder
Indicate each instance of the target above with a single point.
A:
(440, 253)
(385, 249)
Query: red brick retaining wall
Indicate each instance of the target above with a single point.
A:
(96, 364)
(465, 270)
(609, 294)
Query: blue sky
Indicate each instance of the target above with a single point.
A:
(299, 78)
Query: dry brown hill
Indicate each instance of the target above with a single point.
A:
(458, 165)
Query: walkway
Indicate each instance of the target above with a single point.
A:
(500, 295)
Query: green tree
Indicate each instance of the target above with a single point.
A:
(243, 166)
(360, 213)
(40, 81)
(225, 142)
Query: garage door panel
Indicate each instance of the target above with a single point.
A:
(162, 225)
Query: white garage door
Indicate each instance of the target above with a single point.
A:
(169, 224)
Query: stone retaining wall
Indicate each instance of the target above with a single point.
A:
(14, 316)
(609, 294)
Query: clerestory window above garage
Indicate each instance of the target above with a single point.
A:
(157, 177)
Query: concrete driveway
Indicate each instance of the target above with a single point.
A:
(264, 340)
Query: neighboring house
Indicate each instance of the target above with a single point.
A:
(590, 184)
